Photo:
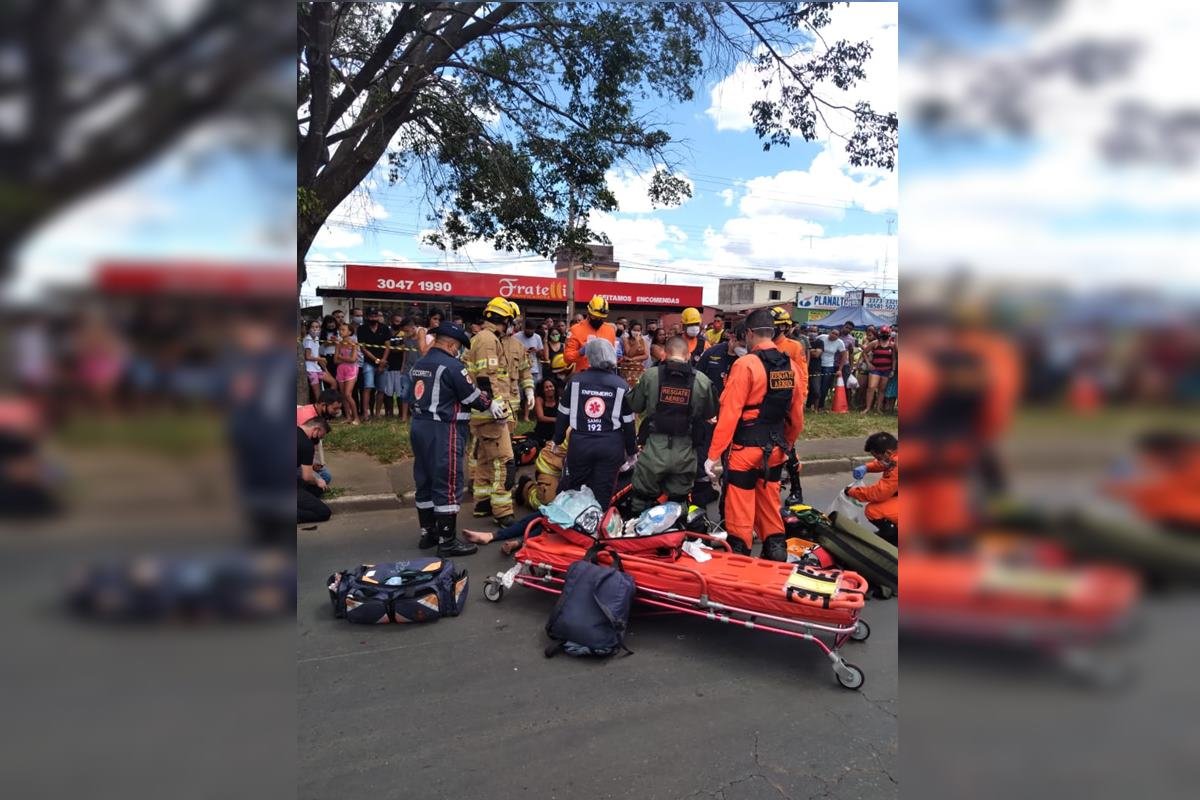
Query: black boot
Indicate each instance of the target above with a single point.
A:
(887, 530)
(737, 545)
(428, 531)
(774, 547)
(449, 545)
(505, 521)
(483, 508)
(521, 493)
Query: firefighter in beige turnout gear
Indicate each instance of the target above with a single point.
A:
(499, 364)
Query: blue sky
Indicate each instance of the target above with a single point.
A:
(800, 209)
(199, 200)
(1048, 206)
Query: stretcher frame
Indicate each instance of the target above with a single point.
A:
(547, 578)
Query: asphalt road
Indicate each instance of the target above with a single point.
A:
(470, 708)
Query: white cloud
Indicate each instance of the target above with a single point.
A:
(727, 195)
(632, 190)
(643, 239)
(346, 225)
(68, 248)
(1063, 213)
(337, 237)
(732, 97)
(825, 190)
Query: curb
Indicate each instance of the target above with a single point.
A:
(364, 502)
(829, 466)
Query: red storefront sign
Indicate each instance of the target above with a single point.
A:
(196, 277)
(463, 285)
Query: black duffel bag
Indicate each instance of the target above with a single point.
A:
(419, 590)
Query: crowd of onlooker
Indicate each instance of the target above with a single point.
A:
(366, 357)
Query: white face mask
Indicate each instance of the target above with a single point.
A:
(741, 351)
(357, 320)
(693, 331)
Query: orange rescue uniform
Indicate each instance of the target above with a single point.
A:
(799, 357)
(1168, 495)
(881, 497)
(756, 509)
(579, 335)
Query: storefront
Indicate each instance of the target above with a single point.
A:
(466, 293)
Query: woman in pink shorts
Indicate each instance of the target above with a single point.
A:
(346, 358)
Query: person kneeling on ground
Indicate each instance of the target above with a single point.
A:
(677, 400)
(541, 489)
(327, 407)
(595, 410)
(883, 502)
(309, 485)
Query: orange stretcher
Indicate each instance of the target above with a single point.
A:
(1061, 609)
(760, 595)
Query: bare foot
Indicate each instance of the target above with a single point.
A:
(511, 546)
(478, 537)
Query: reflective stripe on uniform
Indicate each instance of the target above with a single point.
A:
(450, 509)
(466, 401)
(616, 410)
(424, 504)
(435, 396)
(574, 410)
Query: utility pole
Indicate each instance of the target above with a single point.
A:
(887, 249)
(571, 263)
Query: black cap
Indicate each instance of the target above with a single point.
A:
(453, 331)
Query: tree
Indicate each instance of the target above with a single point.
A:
(101, 88)
(508, 115)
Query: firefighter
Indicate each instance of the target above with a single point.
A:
(715, 363)
(761, 414)
(593, 327)
(678, 401)
(882, 497)
(542, 488)
(500, 366)
(690, 319)
(442, 391)
(595, 409)
(799, 355)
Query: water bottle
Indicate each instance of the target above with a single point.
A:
(657, 519)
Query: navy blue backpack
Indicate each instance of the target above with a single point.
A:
(592, 613)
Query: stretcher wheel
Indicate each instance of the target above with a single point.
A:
(848, 675)
(493, 590)
(861, 631)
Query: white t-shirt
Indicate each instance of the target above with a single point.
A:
(534, 341)
(833, 346)
(311, 347)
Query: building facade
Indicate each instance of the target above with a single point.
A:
(603, 267)
(735, 292)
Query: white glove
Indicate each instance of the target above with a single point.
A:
(629, 462)
(529, 397)
(710, 469)
(499, 408)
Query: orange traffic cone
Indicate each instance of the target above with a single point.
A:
(1084, 395)
(840, 406)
